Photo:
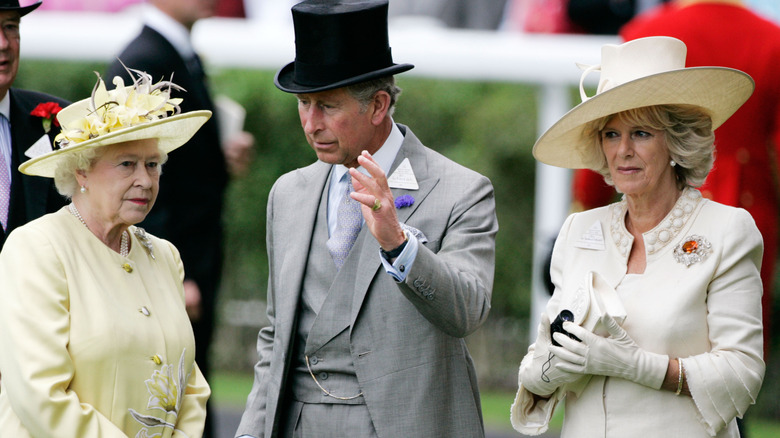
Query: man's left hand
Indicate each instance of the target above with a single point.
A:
(377, 201)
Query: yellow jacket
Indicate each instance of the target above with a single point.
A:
(94, 344)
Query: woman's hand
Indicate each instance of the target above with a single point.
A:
(539, 375)
(617, 355)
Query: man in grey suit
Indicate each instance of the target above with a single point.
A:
(381, 255)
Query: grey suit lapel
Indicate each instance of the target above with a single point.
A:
(300, 230)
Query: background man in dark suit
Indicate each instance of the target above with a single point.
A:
(22, 135)
(189, 207)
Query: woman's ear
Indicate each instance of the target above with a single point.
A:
(81, 177)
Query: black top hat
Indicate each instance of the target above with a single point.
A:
(13, 5)
(338, 44)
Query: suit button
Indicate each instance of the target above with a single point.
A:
(402, 268)
(314, 360)
(323, 376)
(127, 267)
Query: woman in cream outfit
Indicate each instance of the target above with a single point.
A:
(682, 355)
(94, 335)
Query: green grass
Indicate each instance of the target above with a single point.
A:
(230, 390)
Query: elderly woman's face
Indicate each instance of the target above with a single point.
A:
(638, 158)
(124, 181)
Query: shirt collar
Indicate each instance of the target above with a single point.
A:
(5, 106)
(385, 156)
(172, 30)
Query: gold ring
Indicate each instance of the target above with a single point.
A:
(377, 205)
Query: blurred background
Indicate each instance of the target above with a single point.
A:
(508, 65)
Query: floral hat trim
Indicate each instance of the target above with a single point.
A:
(120, 108)
(140, 111)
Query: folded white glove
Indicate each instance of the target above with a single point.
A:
(538, 373)
(617, 355)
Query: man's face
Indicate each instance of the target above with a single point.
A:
(9, 49)
(187, 12)
(336, 125)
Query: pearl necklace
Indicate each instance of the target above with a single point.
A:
(124, 243)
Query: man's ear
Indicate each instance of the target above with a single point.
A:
(380, 105)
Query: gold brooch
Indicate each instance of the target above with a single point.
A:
(692, 249)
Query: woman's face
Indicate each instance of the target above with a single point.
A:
(123, 182)
(638, 158)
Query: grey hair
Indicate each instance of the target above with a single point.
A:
(71, 163)
(65, 174)
(364, 92)
(688, 133)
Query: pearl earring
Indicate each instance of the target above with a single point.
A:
(672, 163)
(83, 189)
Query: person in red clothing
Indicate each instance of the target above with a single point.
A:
(725, 33)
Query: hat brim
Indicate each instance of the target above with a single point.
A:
(718, 90)
(284, 79)
(23, 10)
(171, 132)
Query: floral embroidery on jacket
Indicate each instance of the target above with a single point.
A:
(166, 392)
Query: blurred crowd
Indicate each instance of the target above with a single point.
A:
(576, 16)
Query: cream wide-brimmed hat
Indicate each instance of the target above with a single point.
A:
(640, 73)
(140, 111)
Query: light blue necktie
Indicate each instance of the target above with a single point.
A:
(349, 219)
(5, 172)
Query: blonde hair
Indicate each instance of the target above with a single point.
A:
(688, 133)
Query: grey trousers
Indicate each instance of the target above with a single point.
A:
(318, 420)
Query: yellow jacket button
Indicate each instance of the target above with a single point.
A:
(156, 358)
(127, 267)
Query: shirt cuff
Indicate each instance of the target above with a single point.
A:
(403, 263)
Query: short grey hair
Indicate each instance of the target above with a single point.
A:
(71, 163)
(689, 139)
(364, 92)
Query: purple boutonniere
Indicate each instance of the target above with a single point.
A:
(404, 201)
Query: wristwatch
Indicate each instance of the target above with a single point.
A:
(393, 253)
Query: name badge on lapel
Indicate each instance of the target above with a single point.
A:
(40, 147)
(592, 239)
(403, 177)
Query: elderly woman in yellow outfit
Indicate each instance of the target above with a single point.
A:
(94, 334)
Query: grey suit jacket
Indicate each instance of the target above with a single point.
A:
(406, 339)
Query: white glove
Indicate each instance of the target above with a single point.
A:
(538, 373)
(616, 356)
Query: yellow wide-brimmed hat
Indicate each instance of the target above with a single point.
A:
(140, 111)
(640, 73)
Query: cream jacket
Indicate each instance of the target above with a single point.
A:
(94, 344)
(702, 306)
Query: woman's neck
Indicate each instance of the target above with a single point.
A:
(110, 235)
(647, 211)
